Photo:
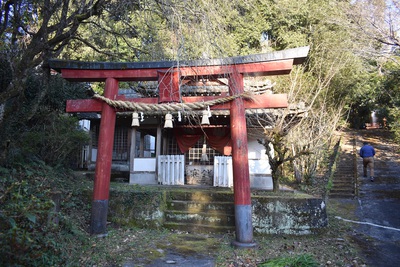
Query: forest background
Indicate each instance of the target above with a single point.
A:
(352, 70)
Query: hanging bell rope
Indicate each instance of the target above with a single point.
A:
(170, 107)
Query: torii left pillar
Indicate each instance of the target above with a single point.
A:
(98, 220)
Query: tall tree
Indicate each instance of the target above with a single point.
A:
(31, 32)
(377, 22)
(333, 73)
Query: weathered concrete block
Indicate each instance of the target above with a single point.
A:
(143, 178)
(261, 182)
(273, 215)
(136, 208)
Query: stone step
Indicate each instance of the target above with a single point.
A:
(346, 167)
(341, 195)
(194, 206)
(342, 190)
(342, 172)
(340, 169)
(201, 211)
(344, 182)
(343, 178)
(199, 228)
(341, 187)
(200, 218)
(202, 196)
(346, 162)
(349, 176)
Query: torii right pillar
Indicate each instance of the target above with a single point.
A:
(240, 162)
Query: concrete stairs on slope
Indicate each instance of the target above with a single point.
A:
(200, 211)
(345, 176)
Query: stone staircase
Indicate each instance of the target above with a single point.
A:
(200, 211)
(345, 177)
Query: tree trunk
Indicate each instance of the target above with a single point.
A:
(275, 178)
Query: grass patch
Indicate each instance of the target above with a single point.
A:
(296, 261)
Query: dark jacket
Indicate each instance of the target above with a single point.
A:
(367, 151)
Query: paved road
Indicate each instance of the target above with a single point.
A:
(378, 228)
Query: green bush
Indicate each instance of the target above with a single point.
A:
(55, 139)
(32, 233)
(35, 128)
(395, 124)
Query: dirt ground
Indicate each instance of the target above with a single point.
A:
(139, 247)
(345, 242)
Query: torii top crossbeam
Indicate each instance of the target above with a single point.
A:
(169, 74)
(274, 63)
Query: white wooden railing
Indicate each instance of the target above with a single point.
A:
(223, 173)
(171, 169)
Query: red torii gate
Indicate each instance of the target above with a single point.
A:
(168, 75)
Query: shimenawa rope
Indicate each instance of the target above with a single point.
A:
(169, 107)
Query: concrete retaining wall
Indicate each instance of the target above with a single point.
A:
(297, 216)
(137, 208)
(271, 214)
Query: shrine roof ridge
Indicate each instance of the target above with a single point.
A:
(297, 54)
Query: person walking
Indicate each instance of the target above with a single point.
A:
(367, 152)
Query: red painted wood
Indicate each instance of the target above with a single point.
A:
(168, 86)
(250, 69)
(260, 101)
(106, 142)
(240, 162)
(84, 105)
(80, 75)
